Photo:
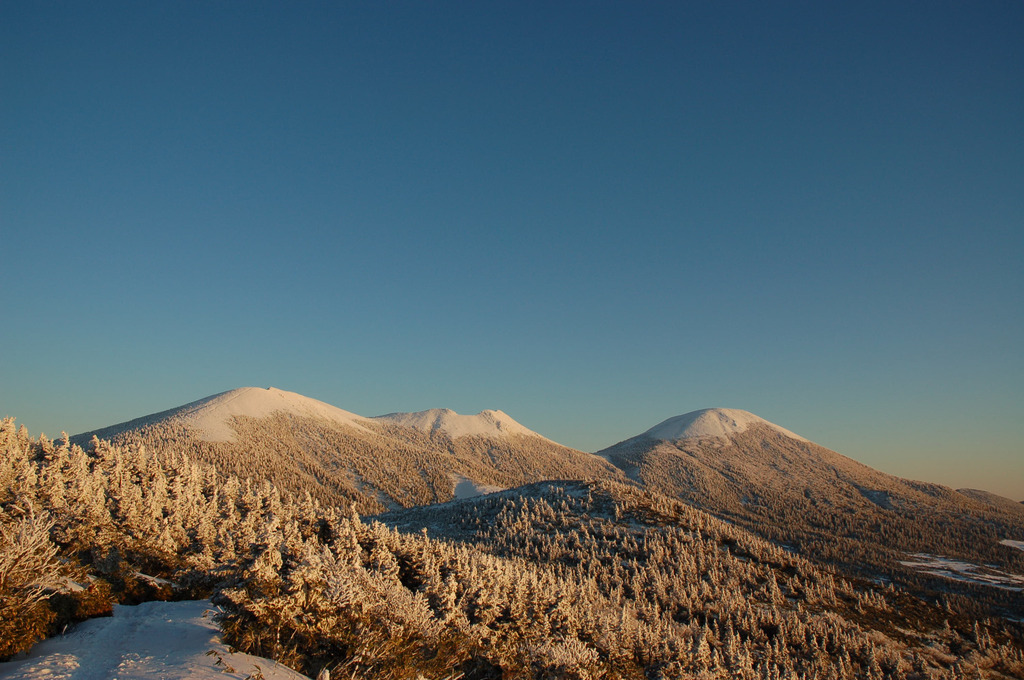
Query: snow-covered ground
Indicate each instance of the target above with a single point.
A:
(467, 488)
(151, 641)
(965, 571)
(1019, 545)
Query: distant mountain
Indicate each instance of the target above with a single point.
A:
(396, 460)
(211, 418)
(443, 421)
(990, 498)
(761, 476)
(712, 422)
(730, 463)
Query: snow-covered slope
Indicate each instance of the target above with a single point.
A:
(151, 641)
(494, 424)
(211, 417)
(397, 460)
(711, 422)
(752, 472)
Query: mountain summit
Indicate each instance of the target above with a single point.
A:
(761, 476)
(711, 422)
(489, 423)
(210, 418)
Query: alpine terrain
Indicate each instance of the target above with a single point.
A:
(826, 506)
(395, 460)
(442, 546)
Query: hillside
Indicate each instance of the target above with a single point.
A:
(575, 580)
(396, 460)
(828, 507)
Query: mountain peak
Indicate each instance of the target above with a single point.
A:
(211, 416)
(711, 422)
(488, 423)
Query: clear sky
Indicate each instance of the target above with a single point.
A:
(592, 215)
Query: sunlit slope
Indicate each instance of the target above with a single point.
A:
(398, 460)
(743, 468)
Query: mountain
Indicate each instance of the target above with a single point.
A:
(559, 579)
(730, 463)
(493, 424)
(395, 460)
(669, 559)
(831, 508)
(210, 418)
(990, 498)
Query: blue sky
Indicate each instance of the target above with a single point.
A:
(593, 216)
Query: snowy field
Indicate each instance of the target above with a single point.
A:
(965, 571)
(467, 488)
(151, 641)
(1019, 545)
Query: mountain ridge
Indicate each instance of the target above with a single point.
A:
(210, 415)
(395, 460)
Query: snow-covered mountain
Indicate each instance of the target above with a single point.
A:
(711, 422)
(210, 418)
(812, 543)
(762, 476)
(728, 462)
(489, 423)
(395, 460)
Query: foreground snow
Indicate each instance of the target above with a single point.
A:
(151, 641)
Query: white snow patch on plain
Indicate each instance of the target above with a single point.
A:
(467, 488)
(711, 422)
(151, 641)
(965, 571)
(1019, 545)
(212, 416)
(494, 424)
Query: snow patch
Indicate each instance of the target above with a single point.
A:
(965, 571)
(151, 641)
(711, 422)
(211, 417)
(1019, 545)
(494, 424)
(467, 488)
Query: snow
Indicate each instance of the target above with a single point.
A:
(151, 641)
(711, 422)
(1019, 545)
(467, 488)
(494, 424)
(211, 416)
(965, 571)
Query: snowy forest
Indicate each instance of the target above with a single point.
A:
(576, 579)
